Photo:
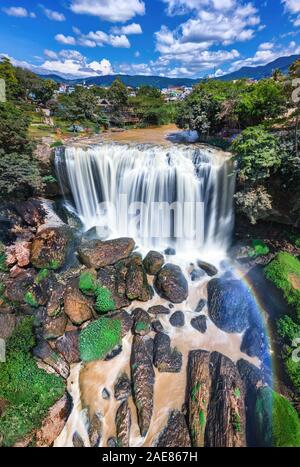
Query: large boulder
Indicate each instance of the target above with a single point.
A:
(122, 389)
(77, 306)
(153, 262)
(50, 247)
(95, 430)
(54, 327)
(166, 359)
(123, 425)
(32, 212)
(68, 346)
(255, 342)
(137, 287)
(51, 359)
(142, 322)
(210, 269)
(200, 323)
(54, 422)
(230, 305)
(171, 284)
(175, 434)
(97, 254)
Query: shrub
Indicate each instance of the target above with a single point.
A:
(99, 338)
(254, 202)
(259, 248)
(28, 390)
(104, 300)
(276, 420)
(281, 272)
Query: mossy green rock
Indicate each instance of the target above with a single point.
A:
(50, 248)
(99, 338)
(276, 420)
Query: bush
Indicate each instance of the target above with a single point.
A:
(99, 338)
(28, 391)
(255, 203)
(276, 420)
(281, 272)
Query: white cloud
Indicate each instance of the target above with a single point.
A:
(129, 29)
(291, 6)
(109, 10)
(53, 15)
(66, 40)
(181, 7)
(50, 54)
(101, 38)
(19, 12)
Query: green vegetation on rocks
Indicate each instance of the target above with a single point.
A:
(30, 299)
(104, 300)
(99, 338)
(87, 283)
(259, 248)
(276, 420)
(28, 391)
(288, 330)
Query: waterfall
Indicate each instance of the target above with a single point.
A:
(177, 196)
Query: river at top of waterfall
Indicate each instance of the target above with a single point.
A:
(177, 197)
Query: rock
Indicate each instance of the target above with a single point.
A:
(197, 274)
(114, 353)
(175, 434)
(166, 360)
(105, 394)
(170, 251)
(113, 278)
(16, 288)
(158, 310)
(19, 254)
(250, 374)
(44, 352)
(208, 268)
(77, 306)
(77, 441)
(97, 254)
(8, 323)
(229, 305)
(56, 300)
(200, 306)
(143, 377)
(95, 430)
(200, 324)
(177, 319)
(125, 318)
(157, 326)
(54, 422)
(198, 395)
(142, 322)
(50, 247)
(255, 342)
(153, 262)
(137, 287)
(54, 327)
(68, 346)
(171, 284)
(226, 423)
(122, 389)
(32, 212)
(112, 443)
(123, 425)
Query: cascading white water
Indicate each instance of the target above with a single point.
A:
(177, 196)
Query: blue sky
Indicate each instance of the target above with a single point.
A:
(177, 38)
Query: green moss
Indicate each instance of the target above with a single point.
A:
(87, 282)
(288, 330)
(54, 264)
(104, 300)
(236, 423)
(202, 420)
(195, 391)
(42, 275)
(3, 266)
(259, 248)
(276, 420)
(237, 393)
(28, 390)
(49, 179)
(279, 271)
(99, 338)
(30, 299)
(141, 326)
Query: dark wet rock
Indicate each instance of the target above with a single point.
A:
(112, 443)
(7, 325)
(125, 319)
(32, 212)
(114, 279)
(208, 268)
(77, 441)
(143, 377)
(177, 319)
(226, 420)
(153, 262)
(16, 288)
(142, 322)
(54, 327)
(68, 346)
(171, 284)
(95, 430)
(158, 310)
(175, 434)
(157, 326)
(198, 395)
(255, 342)
(122, 389)
(170, 251)
(200, 306)
(114, 353)
(50, 247)
(54, 422)
(77, 306)
(97, 254)
(230, 305)
(137, 287)
(197, 274)
(44, 352)
(166, 360)
(123, 425)
(171, 306)
(56, 300)
(250, 374)
(200, 324)
(105, 394)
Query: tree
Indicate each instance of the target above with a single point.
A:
(80, 106)
(13, 130)
(7, 72)
(118, 95)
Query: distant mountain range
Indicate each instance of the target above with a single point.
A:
(257, 72)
